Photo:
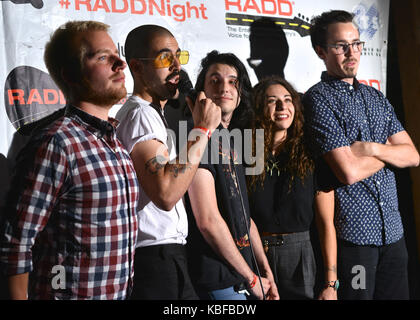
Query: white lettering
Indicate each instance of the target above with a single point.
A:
(59, 280)
(359, 280)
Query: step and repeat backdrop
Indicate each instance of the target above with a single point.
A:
(267, 35)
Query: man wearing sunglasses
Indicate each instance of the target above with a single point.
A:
(355, 130)
(155, 60)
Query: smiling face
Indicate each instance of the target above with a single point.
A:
(103, 80)
(221, 85)
(341, 66)
(279, 107)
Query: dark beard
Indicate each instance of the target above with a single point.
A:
(171, 90)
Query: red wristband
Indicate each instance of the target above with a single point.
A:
(254, 282)
(205, 130)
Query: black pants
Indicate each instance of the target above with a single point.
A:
(161, 273)
(371, 272)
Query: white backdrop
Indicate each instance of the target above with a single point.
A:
(199, 26)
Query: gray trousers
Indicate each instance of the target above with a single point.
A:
(292, 261)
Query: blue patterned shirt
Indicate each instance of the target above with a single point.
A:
(337, 114)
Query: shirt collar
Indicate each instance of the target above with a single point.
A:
(97, 126)
(339, 84)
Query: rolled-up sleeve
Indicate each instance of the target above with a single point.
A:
(34, 191)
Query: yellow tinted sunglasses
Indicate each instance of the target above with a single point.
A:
(165, 59)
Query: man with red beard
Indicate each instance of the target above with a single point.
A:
(353, 127)
(71, 222)
(155, 59)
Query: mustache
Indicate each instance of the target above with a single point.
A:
(172, 75)
(350, 60)
(118, 76)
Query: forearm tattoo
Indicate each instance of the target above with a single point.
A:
(159, 162)
(332, 268)
(177, 168)
(155, 164)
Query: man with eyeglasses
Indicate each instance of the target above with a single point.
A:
(155, 60)
(355, 130)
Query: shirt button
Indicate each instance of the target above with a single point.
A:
(381, 203)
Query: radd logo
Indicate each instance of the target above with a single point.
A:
(29, 95)
(367, 18)
(244, 12)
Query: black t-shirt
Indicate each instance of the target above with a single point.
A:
(279, 208)
(207, 269)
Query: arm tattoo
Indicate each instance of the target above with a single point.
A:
(155, 164)
(332, 268)
(159, 162)
(178, 168)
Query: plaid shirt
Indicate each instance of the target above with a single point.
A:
(72, 207)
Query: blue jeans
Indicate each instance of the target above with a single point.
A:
(222, 294)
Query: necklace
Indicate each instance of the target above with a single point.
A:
(271, 165)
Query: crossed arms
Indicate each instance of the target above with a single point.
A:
(354, 163)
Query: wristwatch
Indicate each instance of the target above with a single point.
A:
(333, 284)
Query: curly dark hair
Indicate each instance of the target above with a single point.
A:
(298, 163)
(243, 114)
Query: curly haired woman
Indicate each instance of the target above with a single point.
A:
(285, 196)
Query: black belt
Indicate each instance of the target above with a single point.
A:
(281, 239)
(162, 250)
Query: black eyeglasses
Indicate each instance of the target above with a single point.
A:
(343, 48)
(166, 58)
